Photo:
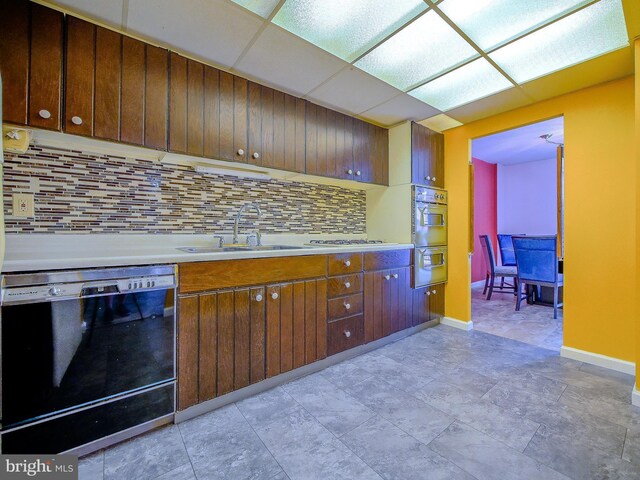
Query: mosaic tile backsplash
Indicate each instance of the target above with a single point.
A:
(80, 192)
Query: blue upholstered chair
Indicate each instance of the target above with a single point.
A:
(505, 244)
(537, 264)
(494, 270)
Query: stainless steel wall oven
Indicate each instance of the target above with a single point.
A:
(429, 228)
(86, 355)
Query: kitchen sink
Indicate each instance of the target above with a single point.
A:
(232, 248)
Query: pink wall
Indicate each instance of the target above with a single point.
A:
(485, 213)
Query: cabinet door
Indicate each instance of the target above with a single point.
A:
(421, 305)
(405, 298)
(45, 79)
(362, 151)
(379, 140)
(195, 108)
(437, 159)
(177, 103)
(254, 125)
(14, 62)
(132, 91)
(79, 76)
(376, 301)
(312, 132)
(267, 115)
(427, 156)
(187, 345)
(436, 302)
(108, 75)
(240, 119)
(156, 99)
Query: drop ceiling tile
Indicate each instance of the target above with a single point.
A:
(398, 109)
(492, 22)
(491, 105)
(108, 12)
(423, 49)
(213, 30)
(588, 33)
(353, 91)
(259, 7)
(346, 28)
(440, 122)
(288, 62)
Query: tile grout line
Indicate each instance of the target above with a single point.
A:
(185, 449)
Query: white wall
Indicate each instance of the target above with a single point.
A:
(527, 201)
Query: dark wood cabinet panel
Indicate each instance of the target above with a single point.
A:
(226, 342)
(258, 334)
(156, 99)
(207, 347)
(387, 302)
(273, 330)
(14, 61)
(343, 263)
(79, 76)
(108, 74)
(240, 89)
(132, 110)
(345, 306)
(387, 259)
(348, 166)
(344, 285)
(226, 116)
(177, 103)
(195, 108)
(329, 167)
(242, 339)
(345, 334)
(289, 138)
(299, 310)
(254, 122)
(427, 156)
(436, 302)
(45, 76)
(379, 162)
(312, 164)
(188, 318)
(286, 327)
(211, 112)
(428, 303)
(267, 112)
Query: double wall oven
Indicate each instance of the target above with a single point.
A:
(429, 228)
(88, 356)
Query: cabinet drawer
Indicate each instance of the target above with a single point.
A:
(344, 306)
(341, 263)
(387, 259)
(345, 334)
(345, 285)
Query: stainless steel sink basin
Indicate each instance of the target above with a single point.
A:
(232, 248)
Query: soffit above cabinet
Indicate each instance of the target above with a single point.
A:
(284, 44)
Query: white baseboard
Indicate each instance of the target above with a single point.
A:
(455, 323)
(599, 360)
(635, 396)
(479, 283)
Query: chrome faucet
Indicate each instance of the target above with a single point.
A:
(256, 207)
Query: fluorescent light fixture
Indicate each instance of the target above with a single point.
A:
(423, 49)
(588, 33)
(235, 172)
(440, 122)
(491, 22)
(259, 7)
(470, 82)
(346, 28)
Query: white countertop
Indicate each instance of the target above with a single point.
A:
(66, 251)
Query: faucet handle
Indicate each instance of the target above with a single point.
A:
(258, 238)
(221, 239)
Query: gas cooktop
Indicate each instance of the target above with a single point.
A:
(342, 242)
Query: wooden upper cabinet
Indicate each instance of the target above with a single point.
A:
(31, 64)
(156, 98)
(108, 73)
(177, 103)
(371, 153)
(79, 76)
(427, 156)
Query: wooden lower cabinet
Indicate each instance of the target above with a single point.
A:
(296, 325)
(428, 304)
(387, 302)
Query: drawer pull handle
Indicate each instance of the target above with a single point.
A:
(347, 284)
(274, 295)
(240, 152)
(347, 263)
(258, 298)
(427, 178)
(387, 277)
(428, 292)
(433, 291)
(395, 275)
(433, 178)
(350, 172)
(76, 120)
(358, 173)
(44, 113)
(347, 333)
(347, 306)
(256, 155)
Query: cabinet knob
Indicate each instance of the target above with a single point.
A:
(240, 151)
(255, 155)
(347, 263)
(395, 275)
(347, 333)
(427, 178)
(358, 173)
(347, 306)
(274, 295)
(387, 277)
(44, 113)
(76, 120)
(347, 284)
(433, 179)
(258, 298)
(433, 291)
(428, 293)
(350, 172)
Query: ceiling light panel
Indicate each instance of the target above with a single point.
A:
(259, 7)
(423, 49)
(490, 23)
(346, 28)
(470, 82)
(588, 33)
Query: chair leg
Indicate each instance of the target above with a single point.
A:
(555, 302)
(502, 283)
(518, 298)
(493, 279)
(486, 284)
(515, 286)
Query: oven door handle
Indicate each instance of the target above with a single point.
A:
(423, 254)
(99, 289)
(423, 221)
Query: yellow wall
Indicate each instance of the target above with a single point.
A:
(600, 217)
(637, 124)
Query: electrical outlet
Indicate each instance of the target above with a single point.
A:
(23, 205)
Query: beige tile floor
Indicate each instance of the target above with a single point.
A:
(533, 324)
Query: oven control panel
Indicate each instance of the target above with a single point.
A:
(430, 195)
(68, 291)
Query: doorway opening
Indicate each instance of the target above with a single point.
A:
(518, 224)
